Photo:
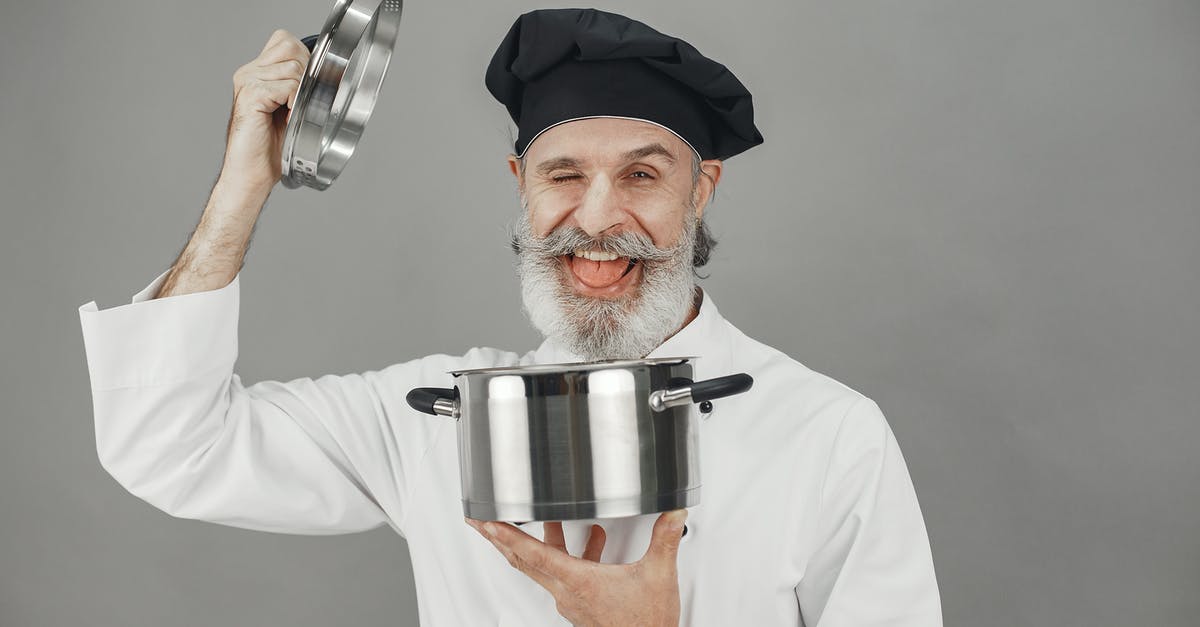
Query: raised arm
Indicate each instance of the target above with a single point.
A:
(264, 91)
(174, 424)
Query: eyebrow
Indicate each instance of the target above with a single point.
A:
(636, 154)
(550, 165)
(648, 150)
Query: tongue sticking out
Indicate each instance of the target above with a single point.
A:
(599, 273)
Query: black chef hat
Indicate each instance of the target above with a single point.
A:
(558, 65)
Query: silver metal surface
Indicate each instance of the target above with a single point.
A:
(577, 366)
(338, 90)
(660, 400)
(575, 442)
(445, 407)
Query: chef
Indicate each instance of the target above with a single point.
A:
(808, 517)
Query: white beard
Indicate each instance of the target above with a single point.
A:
(629, 327)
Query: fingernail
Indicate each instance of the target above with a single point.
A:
(490, 529)
(677, 520)
(472, 522)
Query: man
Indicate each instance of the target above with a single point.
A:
(808, 515)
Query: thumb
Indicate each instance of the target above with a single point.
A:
(664, 538)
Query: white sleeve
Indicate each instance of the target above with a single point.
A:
(177, 428)
(871, 565)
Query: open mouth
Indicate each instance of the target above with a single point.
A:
(597, 269)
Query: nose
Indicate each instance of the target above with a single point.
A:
(600, 208)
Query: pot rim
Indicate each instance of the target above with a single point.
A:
(580, 366)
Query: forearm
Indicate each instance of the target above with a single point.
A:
(216, 250)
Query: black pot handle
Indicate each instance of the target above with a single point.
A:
(435, 401)
(721, 387)
(700, 391)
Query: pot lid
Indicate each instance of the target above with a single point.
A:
(581, 366)
(338, 90)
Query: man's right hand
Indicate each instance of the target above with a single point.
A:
(264, 91)
(253, 149)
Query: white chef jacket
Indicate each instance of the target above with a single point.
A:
(807, 513)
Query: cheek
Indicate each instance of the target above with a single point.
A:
(665, 230)
(663, 220)
(661, 210)
(544, 220)
(548, 211)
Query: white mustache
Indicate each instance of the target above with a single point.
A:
(566, 240)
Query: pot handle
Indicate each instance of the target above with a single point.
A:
(310, 42)
(436, 401)
(700, 391)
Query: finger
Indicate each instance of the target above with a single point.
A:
(275, 37)
(282, 50)
(275, 93)
(542, 578)
(552, 534)
(665, 537)
(537, 554)
(595, 544)
(288, 68)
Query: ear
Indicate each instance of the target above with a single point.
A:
(710, 175)
(515, 168)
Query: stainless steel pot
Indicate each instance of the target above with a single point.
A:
(576, 441)
(338, 90)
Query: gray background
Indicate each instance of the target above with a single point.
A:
(982, 215)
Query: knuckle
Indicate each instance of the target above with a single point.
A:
(298, 47)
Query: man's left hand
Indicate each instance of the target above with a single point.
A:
(592, 594)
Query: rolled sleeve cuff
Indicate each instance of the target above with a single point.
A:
(158, 341)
